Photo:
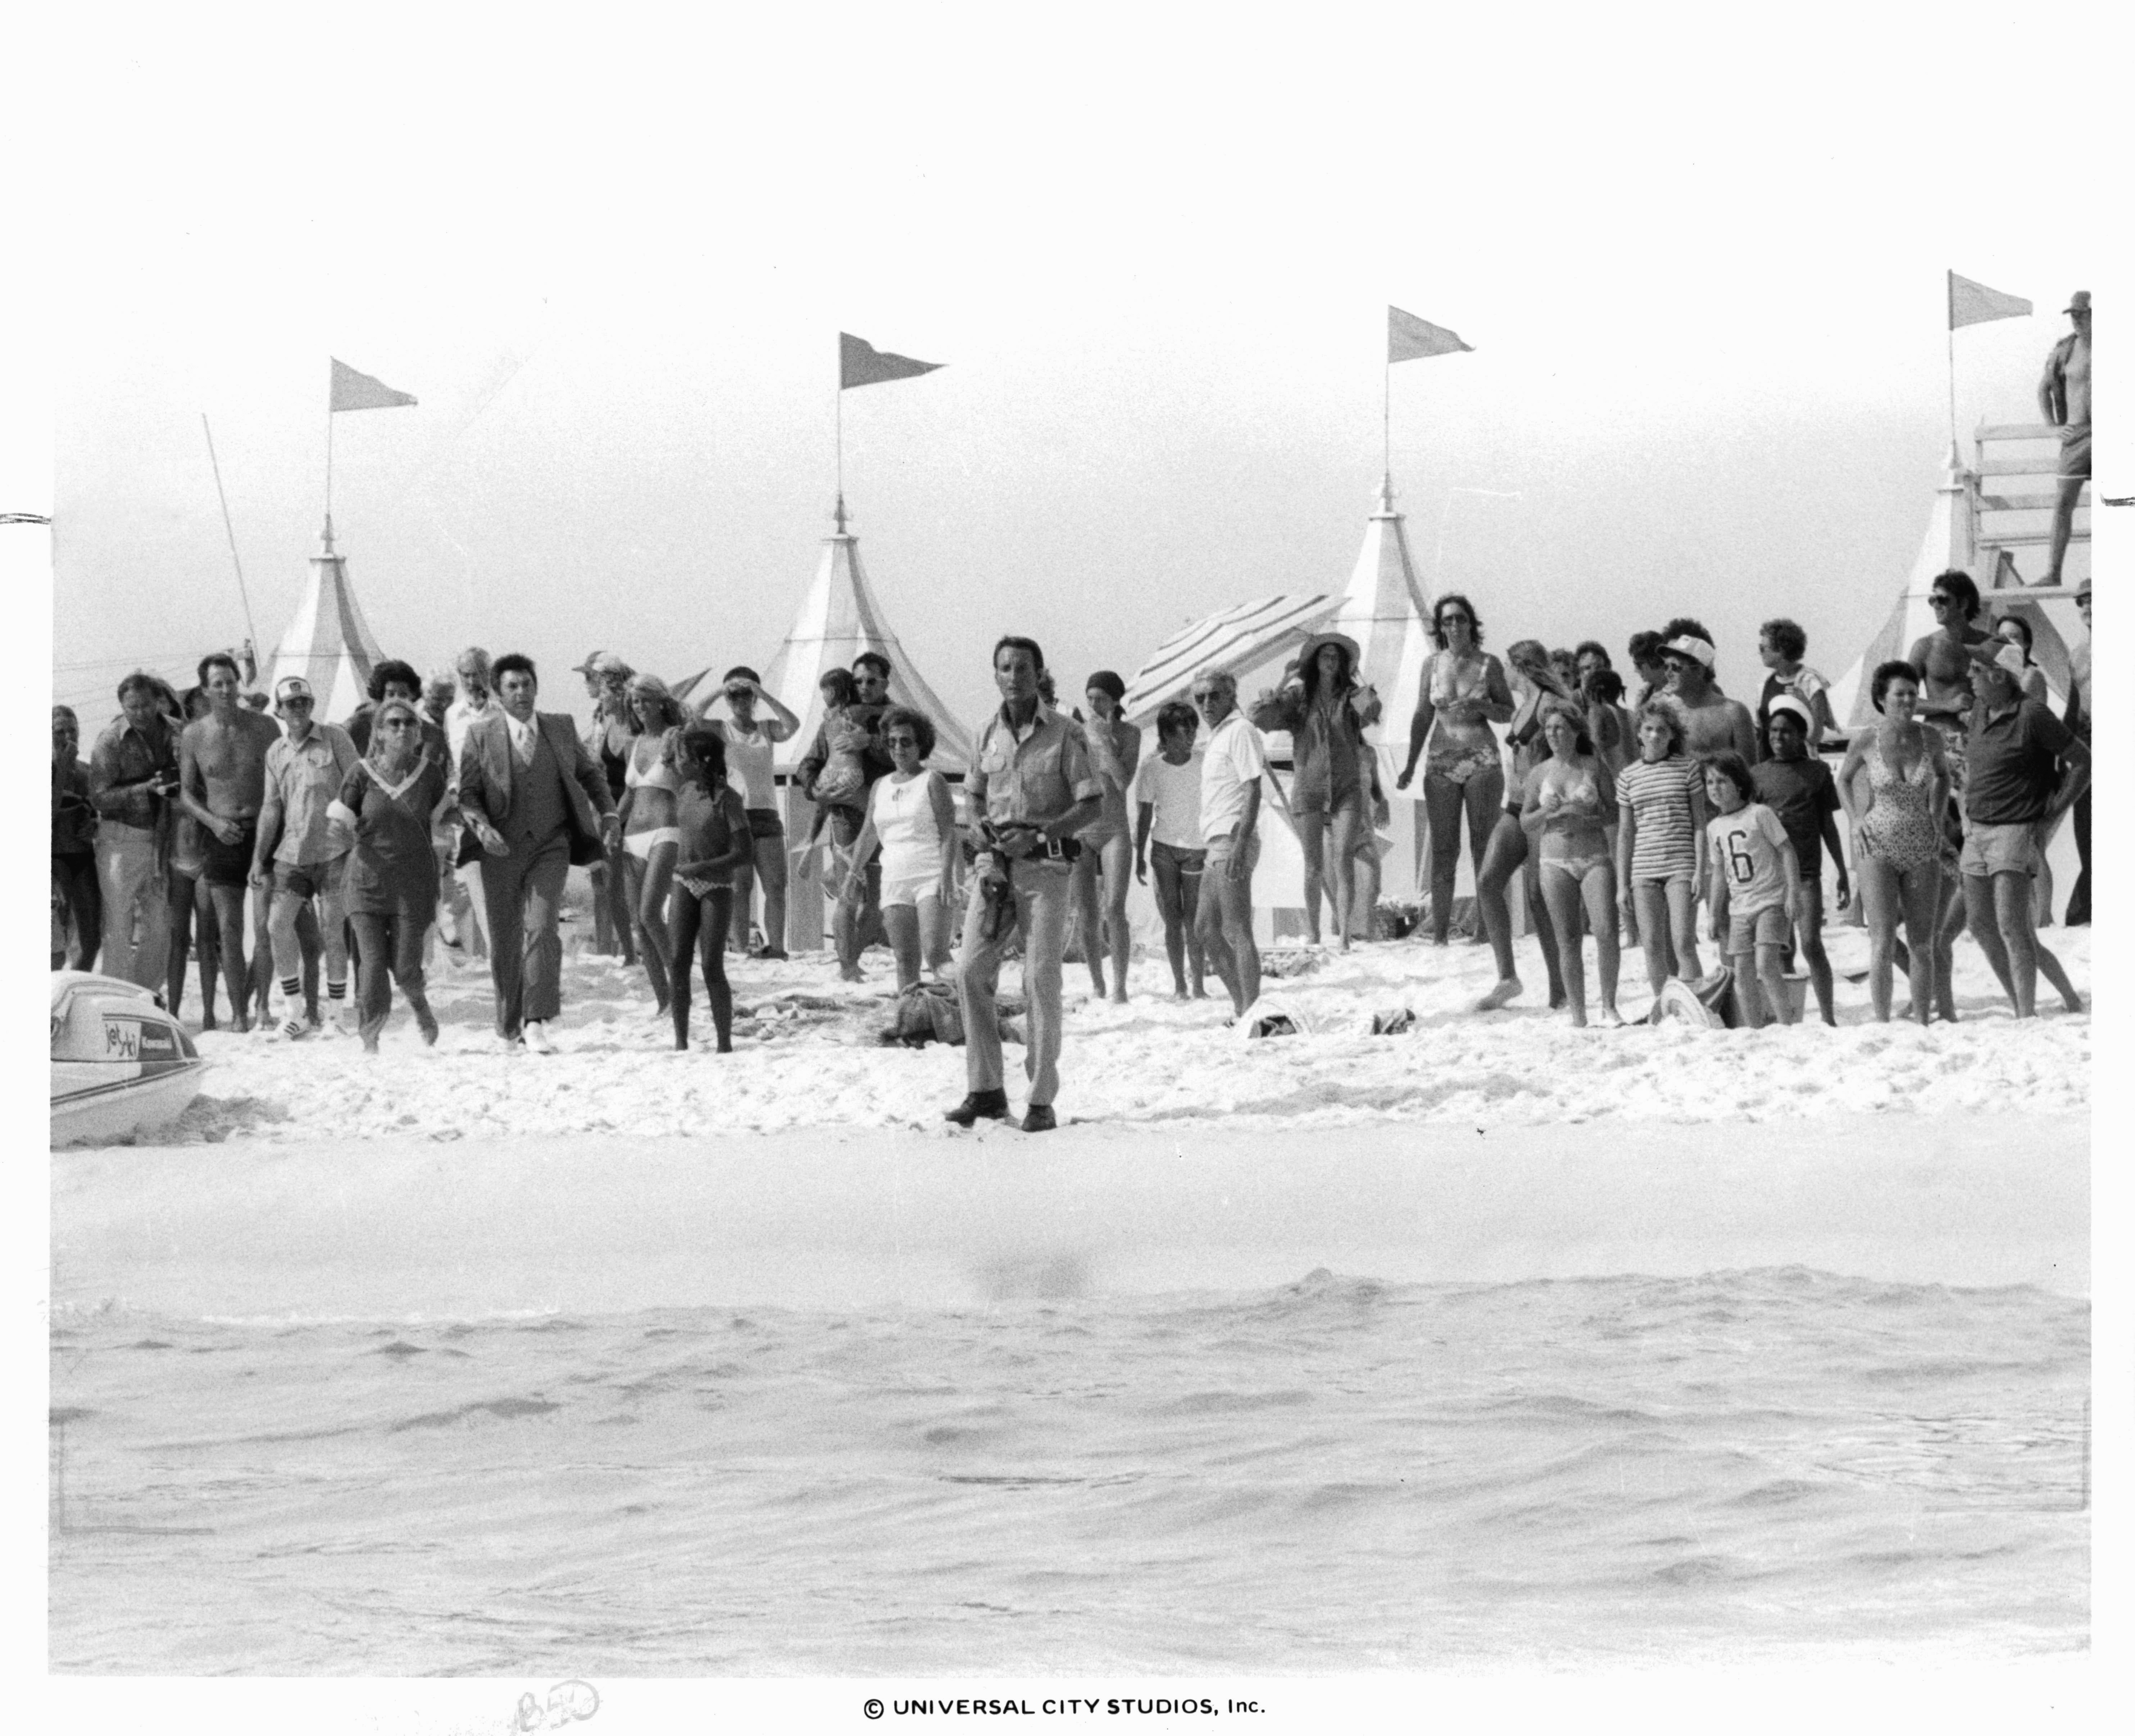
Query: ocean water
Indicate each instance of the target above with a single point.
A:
(1333, 1474)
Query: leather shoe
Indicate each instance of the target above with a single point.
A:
(992, 1105)
(1039, 1119)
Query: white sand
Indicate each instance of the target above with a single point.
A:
(806, 1056)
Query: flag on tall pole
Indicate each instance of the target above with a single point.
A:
(861, 363)
(348, 389)
(1408, 337)
(1972, 304)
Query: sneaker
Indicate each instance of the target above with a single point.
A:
(992, 1105)
(537, 1037)
(1039, 1118)
(295, 1031)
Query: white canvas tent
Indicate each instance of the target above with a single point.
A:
(327, 641)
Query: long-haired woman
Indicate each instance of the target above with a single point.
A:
(1533, 681)
(1568, 806)
(1463, 692)
(1894, 783)
(1325, 711)
(647, 812)
(1108, 841)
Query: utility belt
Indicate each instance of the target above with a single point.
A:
(1049, 849)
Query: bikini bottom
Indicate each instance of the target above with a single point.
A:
(1577, 868)
(1459, 766)
(643, 844)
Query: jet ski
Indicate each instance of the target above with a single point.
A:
(121, 1066)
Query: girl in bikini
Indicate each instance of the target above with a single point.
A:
(1568, 806)
(1894, 783)
(1108, 841)
(1463, 692)
(647, 812)
(715, 842)
(1533, 681)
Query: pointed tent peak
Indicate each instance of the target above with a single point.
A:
(327, 641)
(839, 619)
(838, 514)
(326, 540)
(1386, 497)
(1954, 476)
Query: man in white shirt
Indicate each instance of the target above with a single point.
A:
(1230, 770)
(470, 915)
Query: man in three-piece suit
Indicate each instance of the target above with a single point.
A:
(533, 796)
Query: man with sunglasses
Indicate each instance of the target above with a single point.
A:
(1032, 787)
(1713, 722)
(299, 854)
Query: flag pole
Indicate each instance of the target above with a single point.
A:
(230, 529)
(329, 466)
(839, 515)
(1386, 416)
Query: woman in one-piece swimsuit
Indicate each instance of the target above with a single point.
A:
(1894, 811)
(1507, 852)
(649, 837)
(1463, 692)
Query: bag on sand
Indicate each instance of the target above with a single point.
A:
(925, 1013)
(1706, 1004)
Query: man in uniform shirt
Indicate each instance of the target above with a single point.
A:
(299, 854)
(2024, 770)
(2065, 401)
(133, 775)
(530, 791)
(1032, 788)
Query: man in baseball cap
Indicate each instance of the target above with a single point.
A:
(1799, 788)
(2023, 770)
(298, 855)
(1713, 722)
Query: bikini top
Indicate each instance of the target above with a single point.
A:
(1450, 681)
(660, 777)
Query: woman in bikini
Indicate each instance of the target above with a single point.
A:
(647, 812)
(1108, 841)
(1894, 783)
(1463, 692)
(1533, 681)
(1568, 806)
(714, 840)
(750, 741)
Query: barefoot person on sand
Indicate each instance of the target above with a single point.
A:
(222, 772)
(1325, 712)
(1568, 806)
(1534, 682)
(1100, 875)
(1799, 788)
(647, 817)
(1031, 789)
(750, 742)
(1756, 889)
(712, 821)
(389, 803)
(911, 816)
(1894, 784)
(1168, 840)
(298, 854)
(1231, 773)
(2024, 770)
(1660, 863)
(1462, 692)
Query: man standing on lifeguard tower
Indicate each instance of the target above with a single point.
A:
(2065, 401)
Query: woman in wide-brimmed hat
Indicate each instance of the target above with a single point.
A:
(1321, 705)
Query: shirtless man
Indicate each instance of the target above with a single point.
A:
(2065, 401)
(1713, 722)
(222, 767)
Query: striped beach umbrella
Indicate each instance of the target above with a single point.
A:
(1239, 637)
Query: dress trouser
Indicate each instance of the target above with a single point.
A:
(1041, 915)
(137, 923)
(389, 941)
(523, 894)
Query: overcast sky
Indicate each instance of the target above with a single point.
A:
(1702, 272)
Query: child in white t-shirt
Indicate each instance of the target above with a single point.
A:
(1756, 885)
(1167, 791)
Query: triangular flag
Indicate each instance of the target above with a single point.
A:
(1408, 337)
(859, 363)
(1971, 303)
(351, 390)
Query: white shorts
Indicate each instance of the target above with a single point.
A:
(910, 889)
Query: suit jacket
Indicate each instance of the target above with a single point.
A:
(488, 770)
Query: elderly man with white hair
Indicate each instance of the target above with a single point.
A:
(2024, 769)
(1231, 766)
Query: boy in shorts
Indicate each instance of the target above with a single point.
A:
(1756, 887)
(1167, 788)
